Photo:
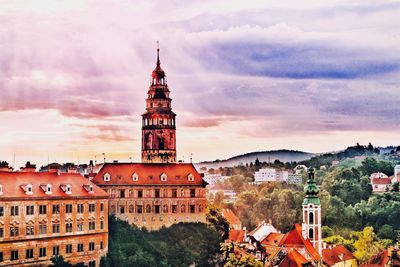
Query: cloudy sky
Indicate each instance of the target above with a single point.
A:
(244, 76)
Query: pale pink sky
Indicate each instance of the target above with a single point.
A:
(244, 76)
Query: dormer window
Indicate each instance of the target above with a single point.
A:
(48, 189)
(89, 188)
(107, 177)
(163, 177)
(190, 177)
(135, 177)
(67, 188)
(1, 189)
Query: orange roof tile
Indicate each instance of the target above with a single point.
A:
(336, 254)
(230, 217)
(297, 259)
(14, 183)
(381, 181)
(236, 235)
(294, 238)
(273, 239)
(149, 174)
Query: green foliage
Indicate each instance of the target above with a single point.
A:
(241, 261)
(179, 245)
(327, 231)
(387, 232)
(215, 218)
(58, 261)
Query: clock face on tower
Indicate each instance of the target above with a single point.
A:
(158, 122)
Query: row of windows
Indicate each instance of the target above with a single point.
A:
(156, 209)
(155, 121)
(55, 228)
(156, 193)
(29, 252)
(30, 209)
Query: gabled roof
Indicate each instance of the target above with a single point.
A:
(294, 239)
(230, 216)
(381, 181)
(262, 230)
(296, 259)
(336, 254)
(14, 183)
(273, 239)
(148, 174)
(236, 235)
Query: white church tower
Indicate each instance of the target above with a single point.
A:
(312, 213)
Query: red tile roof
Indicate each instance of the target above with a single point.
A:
(273, 239)
(294, 238)
(381, 181)
(149, 174)
(230, 217)
(296, 259)
(337, 254)
(379, 260)
(13, 184)
(236, 235)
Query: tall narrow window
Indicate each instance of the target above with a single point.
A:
(310, 233)
(311, 218)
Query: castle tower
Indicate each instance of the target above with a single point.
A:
(158, 122)
(312, 213)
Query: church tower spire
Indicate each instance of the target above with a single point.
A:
(312, 213)
(158, 122)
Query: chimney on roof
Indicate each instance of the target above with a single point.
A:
(72, 169)
(53, 168)
(4, 166)
(28, 167)
(269, 221)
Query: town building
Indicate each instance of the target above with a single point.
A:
(338, 256)
(294, 178)
(265, 175)
(380, 182)
(47, 214)
(212, 179)
(157, 192)
(153, 195)
(263, 230)
(281, 176)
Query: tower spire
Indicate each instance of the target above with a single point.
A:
(158, 54)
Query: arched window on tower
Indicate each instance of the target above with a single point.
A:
(311, 218)
(310, 233)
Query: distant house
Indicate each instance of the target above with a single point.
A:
(263, 230)
(233, 220)
(265, 175)
(338, 256)
(380, 182)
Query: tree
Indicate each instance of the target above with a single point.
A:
(387, 232)
(366, 245)
(220, 224)
(58, 261)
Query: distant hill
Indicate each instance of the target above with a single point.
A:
(263, 156)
